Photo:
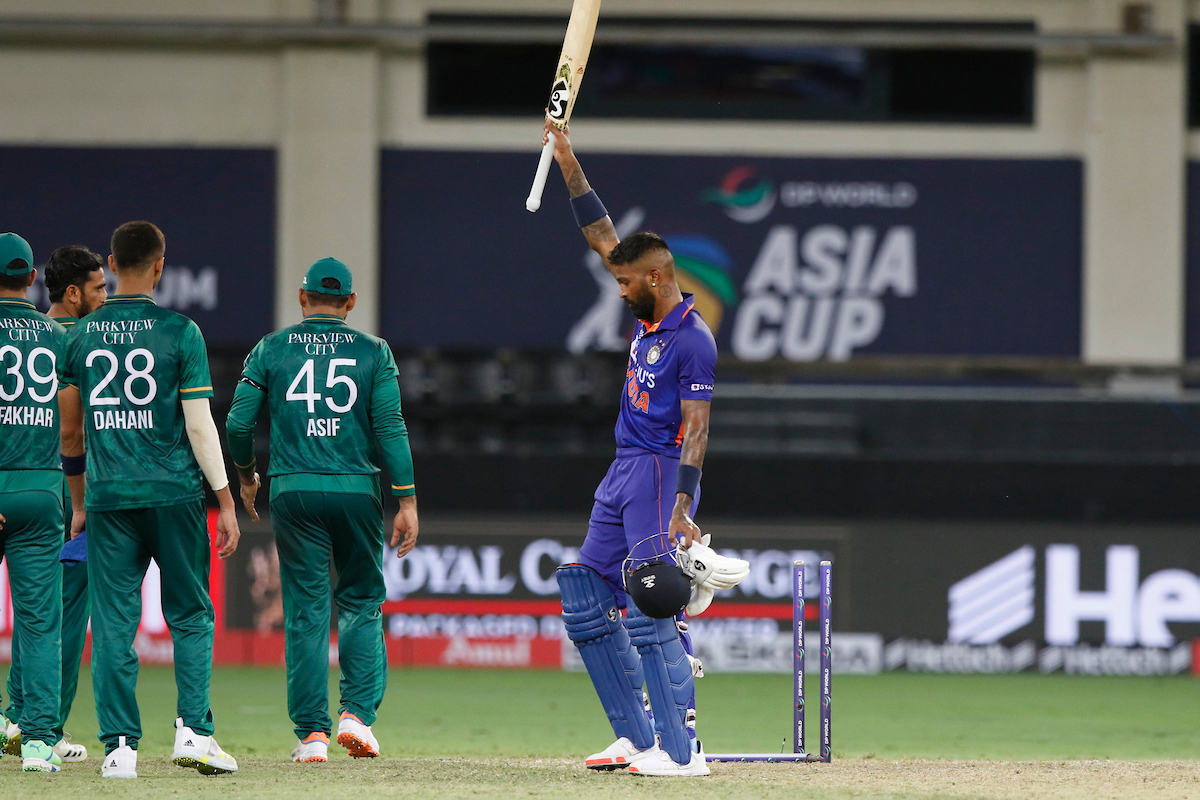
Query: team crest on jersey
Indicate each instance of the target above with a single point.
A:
(652, 356)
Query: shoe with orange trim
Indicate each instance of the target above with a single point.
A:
(618, 755)
(356, 737)
(312, 749)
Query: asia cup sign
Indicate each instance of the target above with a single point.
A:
(791, 259)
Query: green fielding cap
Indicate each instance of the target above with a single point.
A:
(328, 268)
(14, 248)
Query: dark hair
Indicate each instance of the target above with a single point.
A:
(635, 247)
(137, 245)
(71, 265)
(330, 300)
(15, 283)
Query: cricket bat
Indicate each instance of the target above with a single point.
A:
(577, 44)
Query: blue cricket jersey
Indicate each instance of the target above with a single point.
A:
(669, 362)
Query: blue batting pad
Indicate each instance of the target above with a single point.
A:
(669, 679)
(594, 625)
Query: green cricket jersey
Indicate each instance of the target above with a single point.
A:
(134, 363)
(331, 390)
(30, 351)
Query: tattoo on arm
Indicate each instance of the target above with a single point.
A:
(695, 438)
(577, 183)
(600, 231)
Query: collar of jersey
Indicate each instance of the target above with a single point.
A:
(130, 298)
(65, 320)
(17, 301)
(325, 318)
(671, 321)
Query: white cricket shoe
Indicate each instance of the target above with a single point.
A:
(120, 763)
(313, 748)
(13, 732)
(68, 751)
(661, 764)
(356, 737)
(619, 755)
(201, 753)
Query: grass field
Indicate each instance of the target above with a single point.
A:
(452, 733)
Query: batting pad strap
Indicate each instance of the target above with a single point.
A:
(687, 480)
(73, 465)
(588, 209)
(669, 680)
(593, 623)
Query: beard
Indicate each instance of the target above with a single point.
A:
(85, 307)
(642, 305)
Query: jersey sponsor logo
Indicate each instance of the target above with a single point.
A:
(37, 416)
(118, 331)
(140, 419)
(702, 387)
(24, 329)
(321, 344)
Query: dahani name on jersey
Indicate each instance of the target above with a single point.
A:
(37, 416)
(24, 329)
(134, 419)
(119, 331)
(320, 344)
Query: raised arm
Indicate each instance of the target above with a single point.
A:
(601, 234)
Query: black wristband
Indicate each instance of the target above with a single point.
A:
(687, 480)
(588, 209)
(73, 465)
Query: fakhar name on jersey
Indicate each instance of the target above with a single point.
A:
(37, 416)
(140, 419)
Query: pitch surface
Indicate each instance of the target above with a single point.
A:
(453, 733)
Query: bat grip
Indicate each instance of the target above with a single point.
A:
(534, 201)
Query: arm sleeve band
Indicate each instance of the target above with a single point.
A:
(388, 424)
(687, 480)
(248, 399)
(588, 209)
(73, 465)
(206, 442)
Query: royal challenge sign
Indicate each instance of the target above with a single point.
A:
(796, 259)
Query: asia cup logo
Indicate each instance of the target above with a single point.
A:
(704, 269)
(744, 198)
(560, 95)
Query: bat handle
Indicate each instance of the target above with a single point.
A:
(534, 201)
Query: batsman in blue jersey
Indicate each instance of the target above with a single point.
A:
(653, 486)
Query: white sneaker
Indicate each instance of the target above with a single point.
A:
(313, 748)
(661, 764)
(201, 753)
(13, 731)
(120, 763)
(70, 752)
(619, 755)
(356, 737)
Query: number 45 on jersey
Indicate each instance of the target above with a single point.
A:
(323, 426)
